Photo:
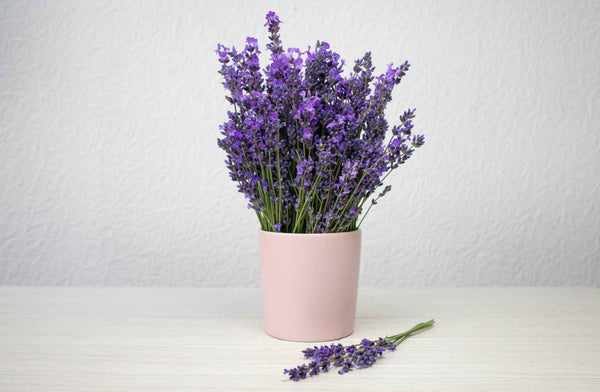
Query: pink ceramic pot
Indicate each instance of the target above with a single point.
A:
(309, 284)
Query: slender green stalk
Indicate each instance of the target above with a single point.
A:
(396, 339)
(399, 338)
(302, 209)
(351, 198)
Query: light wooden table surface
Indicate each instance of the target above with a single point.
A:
(185, 339)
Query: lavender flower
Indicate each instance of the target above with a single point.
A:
(362, 355)
(306, 145)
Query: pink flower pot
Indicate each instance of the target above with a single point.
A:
(309, 284)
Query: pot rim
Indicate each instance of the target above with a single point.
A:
(278, 234)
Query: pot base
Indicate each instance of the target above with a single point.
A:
(307, 341)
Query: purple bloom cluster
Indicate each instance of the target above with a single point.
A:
(346, 358)
(359, 356)
(306, 145)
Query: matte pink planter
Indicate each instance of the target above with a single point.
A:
(309, 284)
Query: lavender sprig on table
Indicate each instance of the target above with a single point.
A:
(307, 145)
(346, 358)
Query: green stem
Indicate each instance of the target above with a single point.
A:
(302, 209)
(377, 198)
(365, 214)
(323, 207)
(399, 338)
(351, 199)
(396, 339)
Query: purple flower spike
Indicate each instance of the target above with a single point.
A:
(347, 358)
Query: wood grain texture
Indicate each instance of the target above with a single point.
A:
(159, 339)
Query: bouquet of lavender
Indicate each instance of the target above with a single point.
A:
(306, 145)
(359, 356)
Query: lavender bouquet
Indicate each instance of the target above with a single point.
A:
(306, 145)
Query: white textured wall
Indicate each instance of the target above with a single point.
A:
(111, 175)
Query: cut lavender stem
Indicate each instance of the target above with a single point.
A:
(347, 358)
